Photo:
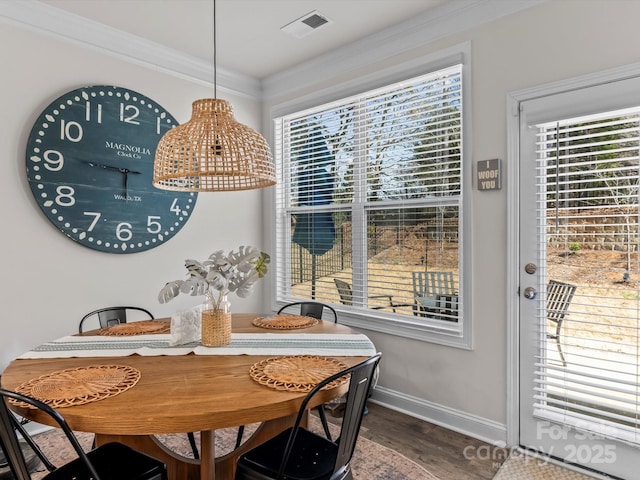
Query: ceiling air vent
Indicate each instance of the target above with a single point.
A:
(306, 24)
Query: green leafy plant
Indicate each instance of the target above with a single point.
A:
(236, 272)
(575, 247)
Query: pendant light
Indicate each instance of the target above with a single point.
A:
(213, 152)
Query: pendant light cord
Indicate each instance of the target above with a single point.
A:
(215, 70)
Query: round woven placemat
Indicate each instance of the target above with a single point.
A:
(136, 328)
(297, 373)
(285, 322)
(77, 386)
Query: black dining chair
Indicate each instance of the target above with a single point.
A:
(310, 309)
(29, 444)
(112, 461)
(109, 316)
(297, 453)
(313, 310)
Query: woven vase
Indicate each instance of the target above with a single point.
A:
(216, 325)
(216, 328)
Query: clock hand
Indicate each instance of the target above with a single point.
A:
(104, 167)
(126, 173)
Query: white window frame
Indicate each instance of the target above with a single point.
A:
(378, 320)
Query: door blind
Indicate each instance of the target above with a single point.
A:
(588, 218)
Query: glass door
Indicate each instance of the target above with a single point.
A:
(580, 277)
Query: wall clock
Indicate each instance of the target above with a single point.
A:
(89, 162)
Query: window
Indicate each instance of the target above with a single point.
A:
(369, 205)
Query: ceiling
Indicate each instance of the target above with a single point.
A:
(249, 40)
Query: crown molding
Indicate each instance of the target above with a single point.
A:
(54, 22)
(448, 19)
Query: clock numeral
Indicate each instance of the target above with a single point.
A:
(129, 113)
(87, 112)
(65, 196)
(96, 216)
(153, 226)
(123, 232)
(175, 208)
(54, 160)
(71, 131)
(158, 125)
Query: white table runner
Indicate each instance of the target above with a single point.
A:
(345, 345)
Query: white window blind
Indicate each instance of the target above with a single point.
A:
(588, 223)
(370, 191)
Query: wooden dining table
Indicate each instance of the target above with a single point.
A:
(178, 394)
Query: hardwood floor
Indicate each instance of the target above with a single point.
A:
(445, 453)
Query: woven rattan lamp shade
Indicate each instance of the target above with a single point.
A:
(212, 152)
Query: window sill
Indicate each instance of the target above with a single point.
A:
(426, 331)
(398, 325)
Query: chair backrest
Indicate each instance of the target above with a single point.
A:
(311, 309)
(361, 378)
(10, 442)
(18, 425)
(110, 316)
(344, 290)
(430, 284)
(559, 296)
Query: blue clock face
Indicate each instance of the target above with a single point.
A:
(90, 166)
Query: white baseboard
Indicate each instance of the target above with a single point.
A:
(477, 427)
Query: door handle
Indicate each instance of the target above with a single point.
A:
(530, 293)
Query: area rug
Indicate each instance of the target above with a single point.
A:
(371, 460)
(520, 466)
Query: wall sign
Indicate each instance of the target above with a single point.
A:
(489, 174)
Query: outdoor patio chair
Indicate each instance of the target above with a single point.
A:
(110, 461)
(346, 296)
(435, 293)
(298, 453)
(559, 296)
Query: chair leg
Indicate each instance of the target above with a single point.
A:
(239, 436)
(323, 420)
(564, 362)
(419, 310)
(34, 446)
(194, 447)
(560, 352)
